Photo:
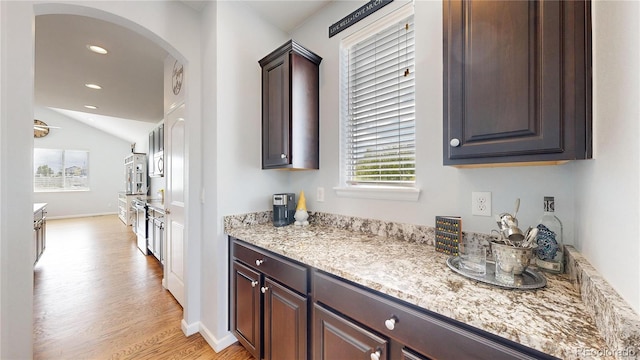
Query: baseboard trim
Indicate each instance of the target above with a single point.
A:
(189, 329)
(217, 344)
(60, 217)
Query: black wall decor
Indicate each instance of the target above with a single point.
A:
(364, 11)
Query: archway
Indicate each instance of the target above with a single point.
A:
(172, 26)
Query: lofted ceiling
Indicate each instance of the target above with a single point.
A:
(131, 73)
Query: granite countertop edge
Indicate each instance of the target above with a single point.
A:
(574, 301)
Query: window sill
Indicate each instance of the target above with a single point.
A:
(378, 192)
(61, 190)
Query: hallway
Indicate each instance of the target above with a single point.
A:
(97, 297)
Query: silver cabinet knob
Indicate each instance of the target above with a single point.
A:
(376, 355)
(254, 283)
(454, 142)
(264, 289)
(259, 262)
(391, 323)
(283, 156)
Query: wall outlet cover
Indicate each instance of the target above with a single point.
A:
(481, 203)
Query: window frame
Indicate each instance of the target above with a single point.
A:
(378, 190)
(63, 172)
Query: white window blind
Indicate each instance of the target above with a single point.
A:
(380, 116)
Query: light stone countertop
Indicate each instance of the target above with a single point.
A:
(552, 319)
(156, 204)
(38, 206)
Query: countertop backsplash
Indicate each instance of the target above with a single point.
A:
(420, 234)
(616, 321)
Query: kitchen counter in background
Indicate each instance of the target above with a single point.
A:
(38, 206)
(576, 316)
(156, 204)
(39, 230)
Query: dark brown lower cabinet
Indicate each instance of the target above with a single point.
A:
(408, 355)
(247, 311)
(268, 301)
(426, 334)
(338, 338)
(285, 323)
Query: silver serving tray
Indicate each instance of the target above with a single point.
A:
(529, 280)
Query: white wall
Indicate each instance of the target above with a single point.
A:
(608, 200)
(233, 179)
(173, 26)
(16, 193)
(106, 166)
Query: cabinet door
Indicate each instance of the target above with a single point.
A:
(151, 232)
(335, 337)
(43, 232)
(161, 137)
(514, 86)
(151, 152)
(36, 236)
(246, 308)
(157, 238)
(161, 248)
(285, 323)
(275, 113)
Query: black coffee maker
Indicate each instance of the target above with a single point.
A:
(284, 207)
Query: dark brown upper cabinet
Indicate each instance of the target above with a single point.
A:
(517, 82)
(290, 108)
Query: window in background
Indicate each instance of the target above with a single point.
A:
(60, 170)
(378, 114)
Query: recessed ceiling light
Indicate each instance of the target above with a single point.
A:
(93, 86)
(97, 49)
(92, 107)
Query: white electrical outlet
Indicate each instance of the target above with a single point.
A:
(481, 203)
(320, 194)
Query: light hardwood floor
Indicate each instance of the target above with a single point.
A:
(97, 297)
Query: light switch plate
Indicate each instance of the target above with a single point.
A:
(320, 194)
(481, 203)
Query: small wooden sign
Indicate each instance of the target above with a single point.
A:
(364, 11)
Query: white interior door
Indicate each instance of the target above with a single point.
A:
(175, 202)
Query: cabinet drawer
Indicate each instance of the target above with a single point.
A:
(284, 271)
(430, 335)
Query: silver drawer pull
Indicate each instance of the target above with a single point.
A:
(259, 262)
(254, 283)
(391, 323)
(376, 355)
(264, 289)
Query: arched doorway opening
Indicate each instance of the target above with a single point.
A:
(173, 27)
